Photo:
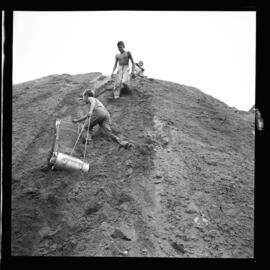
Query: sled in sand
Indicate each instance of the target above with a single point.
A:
(67, 135)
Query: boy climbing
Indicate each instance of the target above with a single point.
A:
(98, 114)
(122, 75)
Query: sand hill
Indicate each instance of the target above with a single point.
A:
(185, 190)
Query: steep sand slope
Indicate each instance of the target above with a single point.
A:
(185, 190)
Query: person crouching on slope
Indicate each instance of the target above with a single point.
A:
(139, 70)
(122, 75)
(98, 114)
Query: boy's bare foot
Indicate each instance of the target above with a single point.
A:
(126, 145)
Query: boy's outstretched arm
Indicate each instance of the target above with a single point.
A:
(89, 114)
(79, 119)
(133, 64)
(115, 65)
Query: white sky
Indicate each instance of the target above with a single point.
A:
(213, 51)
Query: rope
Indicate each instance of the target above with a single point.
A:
(78, 138)
(86, 139)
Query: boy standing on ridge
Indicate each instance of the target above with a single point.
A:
(122, 76)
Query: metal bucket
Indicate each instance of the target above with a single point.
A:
(66, 162)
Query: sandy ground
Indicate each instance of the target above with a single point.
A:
(185, 190)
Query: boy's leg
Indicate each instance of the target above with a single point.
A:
(106, 127)
(122, 80)
(125, 78)
(95, 119)
(117, 83)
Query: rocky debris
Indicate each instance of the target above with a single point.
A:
(158, 175)
(192, 208)
(46, 247)
(178, 247)
(92, 207)
(157, 181)
(128, 163)
(46, 232)
(119, 234)
(129, 172)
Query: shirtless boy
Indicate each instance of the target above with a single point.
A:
(122, 75)
(98, 114)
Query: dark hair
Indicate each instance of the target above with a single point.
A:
(120, 43)
(88, 93)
